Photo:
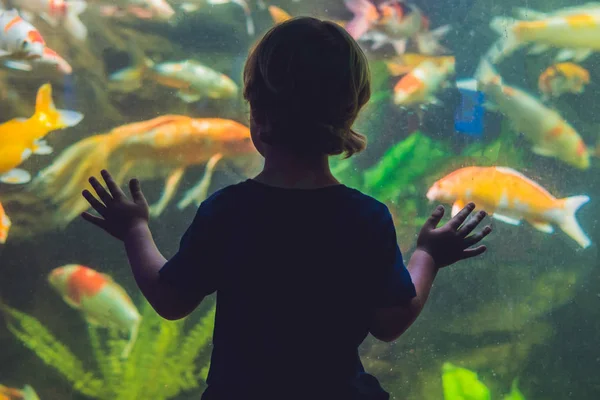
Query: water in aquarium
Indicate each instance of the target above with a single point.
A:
(472, 100)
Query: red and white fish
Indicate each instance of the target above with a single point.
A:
(421, 84)
(396, 22)
(4, 225)
(18, 38)
(63, 13)
(102, 301)
(549, 133)
(511, 197)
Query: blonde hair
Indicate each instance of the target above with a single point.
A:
(306, 82)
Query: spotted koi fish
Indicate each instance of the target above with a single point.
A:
(420, 85)
(102, 301)
(511, 197)
(18, 38)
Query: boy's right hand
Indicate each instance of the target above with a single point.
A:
(450, 243)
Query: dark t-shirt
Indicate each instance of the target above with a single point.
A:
(298, 274)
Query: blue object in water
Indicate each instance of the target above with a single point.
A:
(469, 116)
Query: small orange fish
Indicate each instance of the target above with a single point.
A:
(102, 301)
(563, 78)
(4, 225)
(510, 196)
(404, 63)
(278, 14)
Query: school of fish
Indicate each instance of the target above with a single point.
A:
(420, 69)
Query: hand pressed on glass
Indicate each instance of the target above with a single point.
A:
(451, 242)
(118, 214)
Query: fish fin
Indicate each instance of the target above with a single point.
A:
(542, 151)
(582, 54)
(69, 118)
(456, 207)
(428, 42)
(41, 147)
(508, 220)
(569, 223)
(566, 54)
(360, 24)
(45, 109)
(189, 7)
(400, 45)
(542, 226)
(539, 49)
(486, 73)
(131, 75)
(504, 26)
(189, 97)
(71, 303)
(528, 14)
(132, 339)
(49, 19)
(171, 184)
(198, 193)
(18, 65)
(467, 84)
(15, 176)
(29, 393)
(72, 23)
(278, 15)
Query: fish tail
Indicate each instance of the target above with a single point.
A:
(62, 181)
(569, 223)
(360, 24)
(134, 74)
(508, 42)
(47, 114)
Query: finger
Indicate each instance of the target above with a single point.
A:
(99, 222)
(469, 253)
(435, 218)
(96, 205)
(468, 227)
(462, 215)
(114, 189)
(100, 191)
(476, 238)
(136, 192)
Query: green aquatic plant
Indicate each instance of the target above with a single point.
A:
(515, 393)
(462, 384)
(166, 360)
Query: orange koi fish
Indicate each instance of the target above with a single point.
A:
(421, 83)
(4, 225)
(393, 21)
(510, 196)
(404, 63)
(102, 301)
(549, 133)
(19, 138)
(18, 38)
(27, 393)
(576, 30)
(161, 147)
(563, 78)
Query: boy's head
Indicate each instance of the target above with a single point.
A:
(306, 81)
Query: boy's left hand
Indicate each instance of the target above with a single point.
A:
(119, 214)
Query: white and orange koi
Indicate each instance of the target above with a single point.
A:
(549, 133)
(18, 38)
(421, 84)
(163, 147)
(563, 78)
(4, 225)
(20, 138)
(27, 393)
(575, 30)
(511, 197)
(396, 22)
(51, 57)
(63, 13)
(102, 301)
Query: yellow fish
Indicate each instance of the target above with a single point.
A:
(576, 30)
(4, 225)
(510, 196)
(563, 78)
(19, 138)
